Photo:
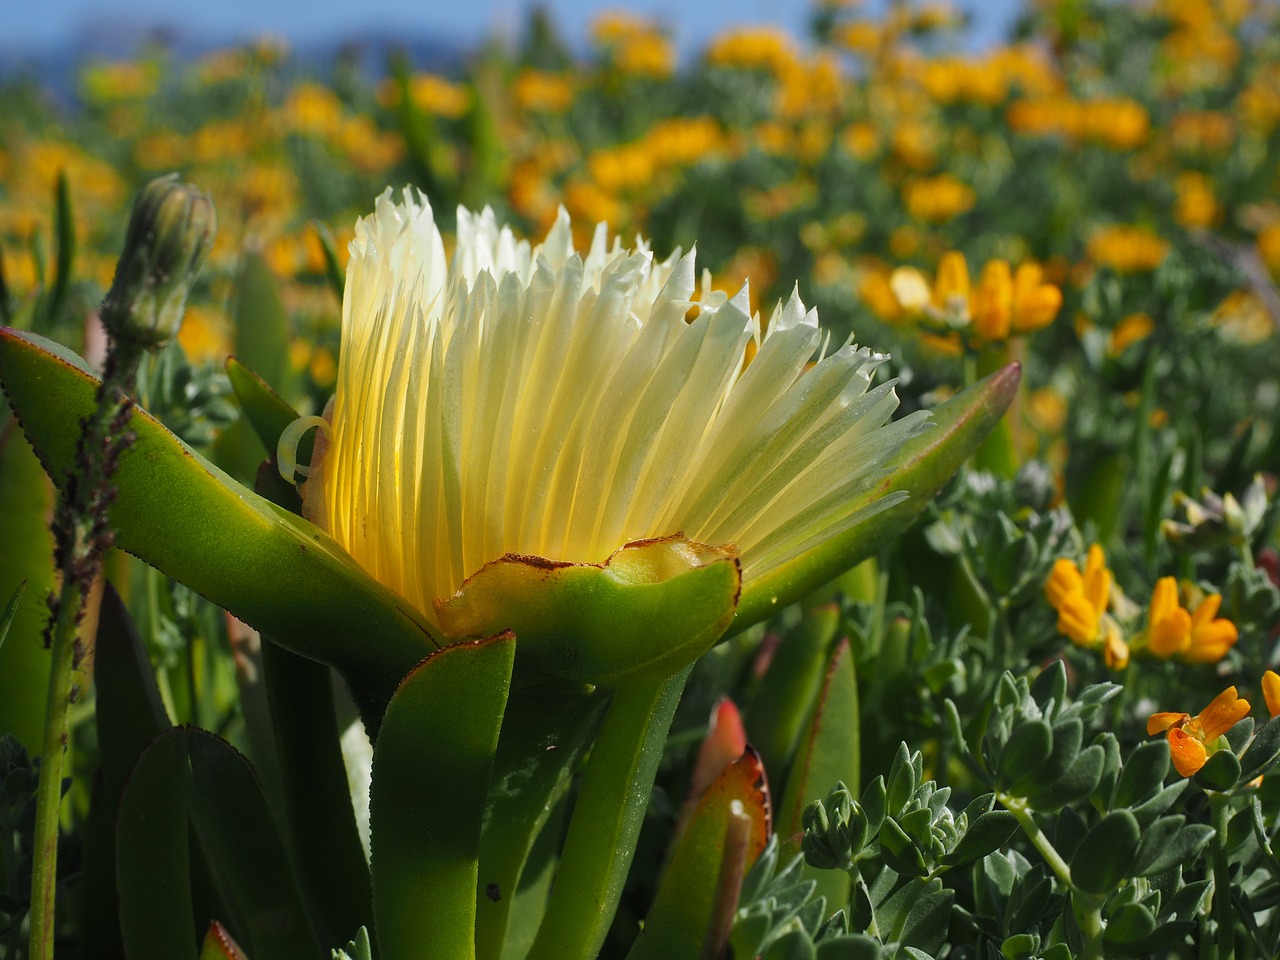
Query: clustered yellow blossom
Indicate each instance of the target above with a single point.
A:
(1193, 739)
(1003, 303)
(1082, 599)
(938, 199)
(1121, 124)
(1196, 637)
(1126, 248)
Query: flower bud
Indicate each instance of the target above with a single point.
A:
(170, 232)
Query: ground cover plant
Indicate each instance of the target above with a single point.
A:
(430, 572)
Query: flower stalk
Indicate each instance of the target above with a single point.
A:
(170, 231)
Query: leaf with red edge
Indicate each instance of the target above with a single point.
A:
(693, 911)
(219, 945)
(725, 742)
(828, 751)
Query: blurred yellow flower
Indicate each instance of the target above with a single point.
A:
(541, 91)
(1082, 599)
(1004, 302)
(1196, 204)
(1127, 249)
(583, 413)
(938, 199)
(1199, 637)
(1271, 692)
(1132, 329)
(1191, 737)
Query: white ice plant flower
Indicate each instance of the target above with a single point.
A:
(536, 401)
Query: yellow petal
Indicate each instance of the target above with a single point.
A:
(1226, 710)
(1271, 692)
(1160, 722)
(1188, 753)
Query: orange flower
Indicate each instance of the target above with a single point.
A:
(1081, 599)
(1271, 692)
(1199, 637)
(1190, 737)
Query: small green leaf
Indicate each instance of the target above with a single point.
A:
(930, 916)
(1220, 772)
(1143, 774)
(1078, 782)
(431, 770)
(1129, 924)
(1263, 752)
(1106, 855)
(1029, 744)
(1171, 841)
(1067, 736)
(900, 853)
(986, 834)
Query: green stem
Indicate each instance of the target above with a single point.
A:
(1089, 907)
(1222, 914)
(606, 819)
(81, 535)
(44, 865)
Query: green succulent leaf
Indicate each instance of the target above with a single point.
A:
(651, 609)
(185, 516)
(700, 885)
(1106, 854)
(431, 772)
(1220, 772)
(986, 834)
(152, 864)
(220, 945)
(1263, 751)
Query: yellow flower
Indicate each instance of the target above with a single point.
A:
(938, 199)
(1081, 599)
(547, 403)
(1003, 302)
(1271, 692)
(1190, 737)
(1130, 330)
(1199, 637)
(1127, 249)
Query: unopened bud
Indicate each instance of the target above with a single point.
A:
(170, 232)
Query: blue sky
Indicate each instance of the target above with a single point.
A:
(40, 28)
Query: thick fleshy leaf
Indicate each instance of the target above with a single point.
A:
(180, 513)
(707, 865)
(725, 742)
(606, 819)
(239, 835)
(152, 865)
(545, 731)
(431, 771)
(828, 752)
(651, 609)
(784, 700)
(266, 410)
(322, 825)
(219, 945)
(920, 468)
(26, 552)
(130, 716)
